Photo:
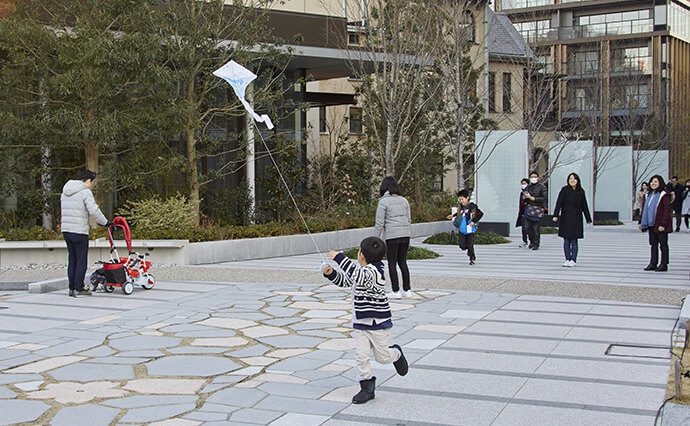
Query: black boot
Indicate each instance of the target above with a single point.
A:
(401, 364)
(367, 391)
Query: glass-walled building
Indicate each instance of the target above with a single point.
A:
(622, 64)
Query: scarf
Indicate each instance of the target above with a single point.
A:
(650, 210)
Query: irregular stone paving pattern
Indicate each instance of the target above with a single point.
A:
(218, 375)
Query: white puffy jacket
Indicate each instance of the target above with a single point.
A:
(76, 203)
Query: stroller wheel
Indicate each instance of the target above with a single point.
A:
(149, 283)
(127, 288)
(109, 288)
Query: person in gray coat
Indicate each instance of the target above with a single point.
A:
(393, 219)
(76, 204)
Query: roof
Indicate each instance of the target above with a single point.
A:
(504, 39)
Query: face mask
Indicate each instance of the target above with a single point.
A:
(532, 180)
(523, 186)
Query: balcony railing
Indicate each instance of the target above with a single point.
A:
(587, 31)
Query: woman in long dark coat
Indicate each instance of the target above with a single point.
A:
(570, 207)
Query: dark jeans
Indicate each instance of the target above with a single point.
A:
(78, 249)
(466, 242)
(677, 212)
(570, 248)
(524, 230)
(658, 240)
(533, 231)
(396, 252)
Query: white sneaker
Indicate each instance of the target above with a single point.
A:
(566, 264)
(394, 295)
(407, 293)
(522, 245)
(572, 263)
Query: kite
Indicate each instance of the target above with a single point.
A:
(239, 78)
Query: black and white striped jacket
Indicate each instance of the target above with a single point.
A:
(371, 309)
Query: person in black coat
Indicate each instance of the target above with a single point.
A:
(570, 207)
(521, 213)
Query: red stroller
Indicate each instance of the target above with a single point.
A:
(124, 272)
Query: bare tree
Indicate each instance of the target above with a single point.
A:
(393, 64)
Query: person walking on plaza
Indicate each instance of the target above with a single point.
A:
(535, 197)
(372, 319)
(655, 219)
(76, 204)
(686, 205)
(644, 190)
(571, 205)
(676, 190)
(466, 221)
(393, 219)
(519, 222)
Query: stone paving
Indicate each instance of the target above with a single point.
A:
(209, 352)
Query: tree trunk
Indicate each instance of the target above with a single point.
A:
(193, 177)
(389, 160)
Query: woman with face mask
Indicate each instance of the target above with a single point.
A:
(535, 197)
(686, 205)
(521, 213)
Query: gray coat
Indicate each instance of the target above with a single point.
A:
(76, 203)
(393, 217)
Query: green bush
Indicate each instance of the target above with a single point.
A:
(481, 238)
(35, 233)
(607, 222)
(155, 215)
(414, 253)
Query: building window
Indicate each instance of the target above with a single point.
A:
(507, 92)
(492, 92)
(534, 31)
(353, 39)
(679, 20)
(323, 127)
(631, 22)
(356, 120)
(583, 99)
(519, 4)
(585, 62)
(631, 59)
(636, 96)
(467, 25)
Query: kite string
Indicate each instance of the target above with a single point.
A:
(287, 187)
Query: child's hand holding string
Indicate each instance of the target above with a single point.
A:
(326, 269)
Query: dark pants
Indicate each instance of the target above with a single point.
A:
(533, 231)
(570, 248)
(466, 242)
(78, 249)
(524, 230)
(677, 212)
(658, 240)
(396, 252)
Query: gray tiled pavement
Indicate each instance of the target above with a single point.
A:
(516, 339)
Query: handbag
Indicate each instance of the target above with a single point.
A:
(534, 213)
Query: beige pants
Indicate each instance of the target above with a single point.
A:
(377, 340)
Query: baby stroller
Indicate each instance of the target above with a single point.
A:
(124, 272)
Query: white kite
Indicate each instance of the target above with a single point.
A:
(239, 78)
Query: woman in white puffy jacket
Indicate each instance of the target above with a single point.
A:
(393, 219)
(76, 204)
